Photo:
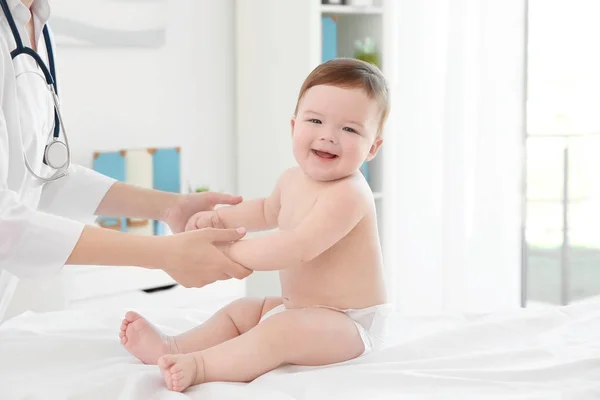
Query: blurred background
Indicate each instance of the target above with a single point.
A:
(484, 187)
(563, 149)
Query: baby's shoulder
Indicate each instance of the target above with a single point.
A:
(351, 189)
(289, 174)
(292, 172)
(354, 185)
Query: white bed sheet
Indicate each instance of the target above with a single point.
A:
(525, 354)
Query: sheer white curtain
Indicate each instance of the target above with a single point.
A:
(454, 154)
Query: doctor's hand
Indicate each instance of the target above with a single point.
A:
(185, 206)
(195, 259)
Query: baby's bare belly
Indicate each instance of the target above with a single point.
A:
(312, 285)
(348, 275)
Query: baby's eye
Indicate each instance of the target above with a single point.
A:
(315, 121)
(348, 129)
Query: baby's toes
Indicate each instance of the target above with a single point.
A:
(131, 316)
(168, 380)
(166, 361)
(123, 336)
(175, 368)
(178, 386)
(177, 376)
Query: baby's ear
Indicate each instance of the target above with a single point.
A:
(375, 148)
(293, 123)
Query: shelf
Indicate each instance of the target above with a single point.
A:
(338, 10)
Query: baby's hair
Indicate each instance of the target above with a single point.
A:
(351, 73)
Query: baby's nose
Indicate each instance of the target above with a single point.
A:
(328, 138)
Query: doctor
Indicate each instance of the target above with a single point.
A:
(44, 205)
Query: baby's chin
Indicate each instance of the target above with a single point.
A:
(326, 176)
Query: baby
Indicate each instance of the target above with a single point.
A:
(333, 306)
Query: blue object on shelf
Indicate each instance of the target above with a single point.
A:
(167, 170)
(159, 228)
(111, 164)
(364, 168)
(329, 39)
(166, 166)
(167, 176)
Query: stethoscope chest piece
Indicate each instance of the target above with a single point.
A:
(56, 155)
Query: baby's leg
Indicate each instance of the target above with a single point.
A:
(231, 321)
(315, 336)
(146, 342)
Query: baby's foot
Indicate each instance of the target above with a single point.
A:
(143, 340)
(181, 371)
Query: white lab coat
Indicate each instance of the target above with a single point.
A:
(39, 223)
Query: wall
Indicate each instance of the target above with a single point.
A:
(181, 94)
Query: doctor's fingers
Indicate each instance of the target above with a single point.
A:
(183, 280)
(236, 270)
(207, 280)
(190, 280)
(222, 198)
(223, 235)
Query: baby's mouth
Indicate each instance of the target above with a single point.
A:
(324, 154)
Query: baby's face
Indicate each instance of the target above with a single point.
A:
(335, 131)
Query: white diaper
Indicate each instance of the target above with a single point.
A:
(371, 322)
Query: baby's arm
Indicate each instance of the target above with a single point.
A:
(254, 215)
(336, 212)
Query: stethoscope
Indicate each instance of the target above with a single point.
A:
(57, 154)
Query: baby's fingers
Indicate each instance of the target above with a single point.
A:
(201, 223)
(191, 224)
(216, 222)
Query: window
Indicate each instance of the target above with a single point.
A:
(562, 222)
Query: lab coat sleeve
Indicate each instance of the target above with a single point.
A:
(77, 195)
(33, 244)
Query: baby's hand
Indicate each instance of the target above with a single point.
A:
(204, 219)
